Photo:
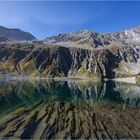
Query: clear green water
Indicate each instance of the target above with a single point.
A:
(14, 94)
(74, 109)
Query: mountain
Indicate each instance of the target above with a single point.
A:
(81, 54)
(15, 35)
(88, 39)
(4, 39)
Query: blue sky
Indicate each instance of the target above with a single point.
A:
(45, 18)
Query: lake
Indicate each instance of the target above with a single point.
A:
(73, 109)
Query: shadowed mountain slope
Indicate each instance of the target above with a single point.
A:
(15, 34)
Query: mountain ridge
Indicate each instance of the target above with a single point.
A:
(82, 54)
(15, 34)
(101, 39)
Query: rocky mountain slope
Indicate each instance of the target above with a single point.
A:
(81, 54)
(14, 35)
(88, 39)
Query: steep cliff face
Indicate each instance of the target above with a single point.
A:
(81, 54)
(57, 61)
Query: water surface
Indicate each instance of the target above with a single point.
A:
(69, 109)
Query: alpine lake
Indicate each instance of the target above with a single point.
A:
(69, 109)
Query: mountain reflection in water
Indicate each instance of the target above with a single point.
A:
(69, 109)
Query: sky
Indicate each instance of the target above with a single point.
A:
(46, 18)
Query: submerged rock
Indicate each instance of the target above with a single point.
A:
(77, 109)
